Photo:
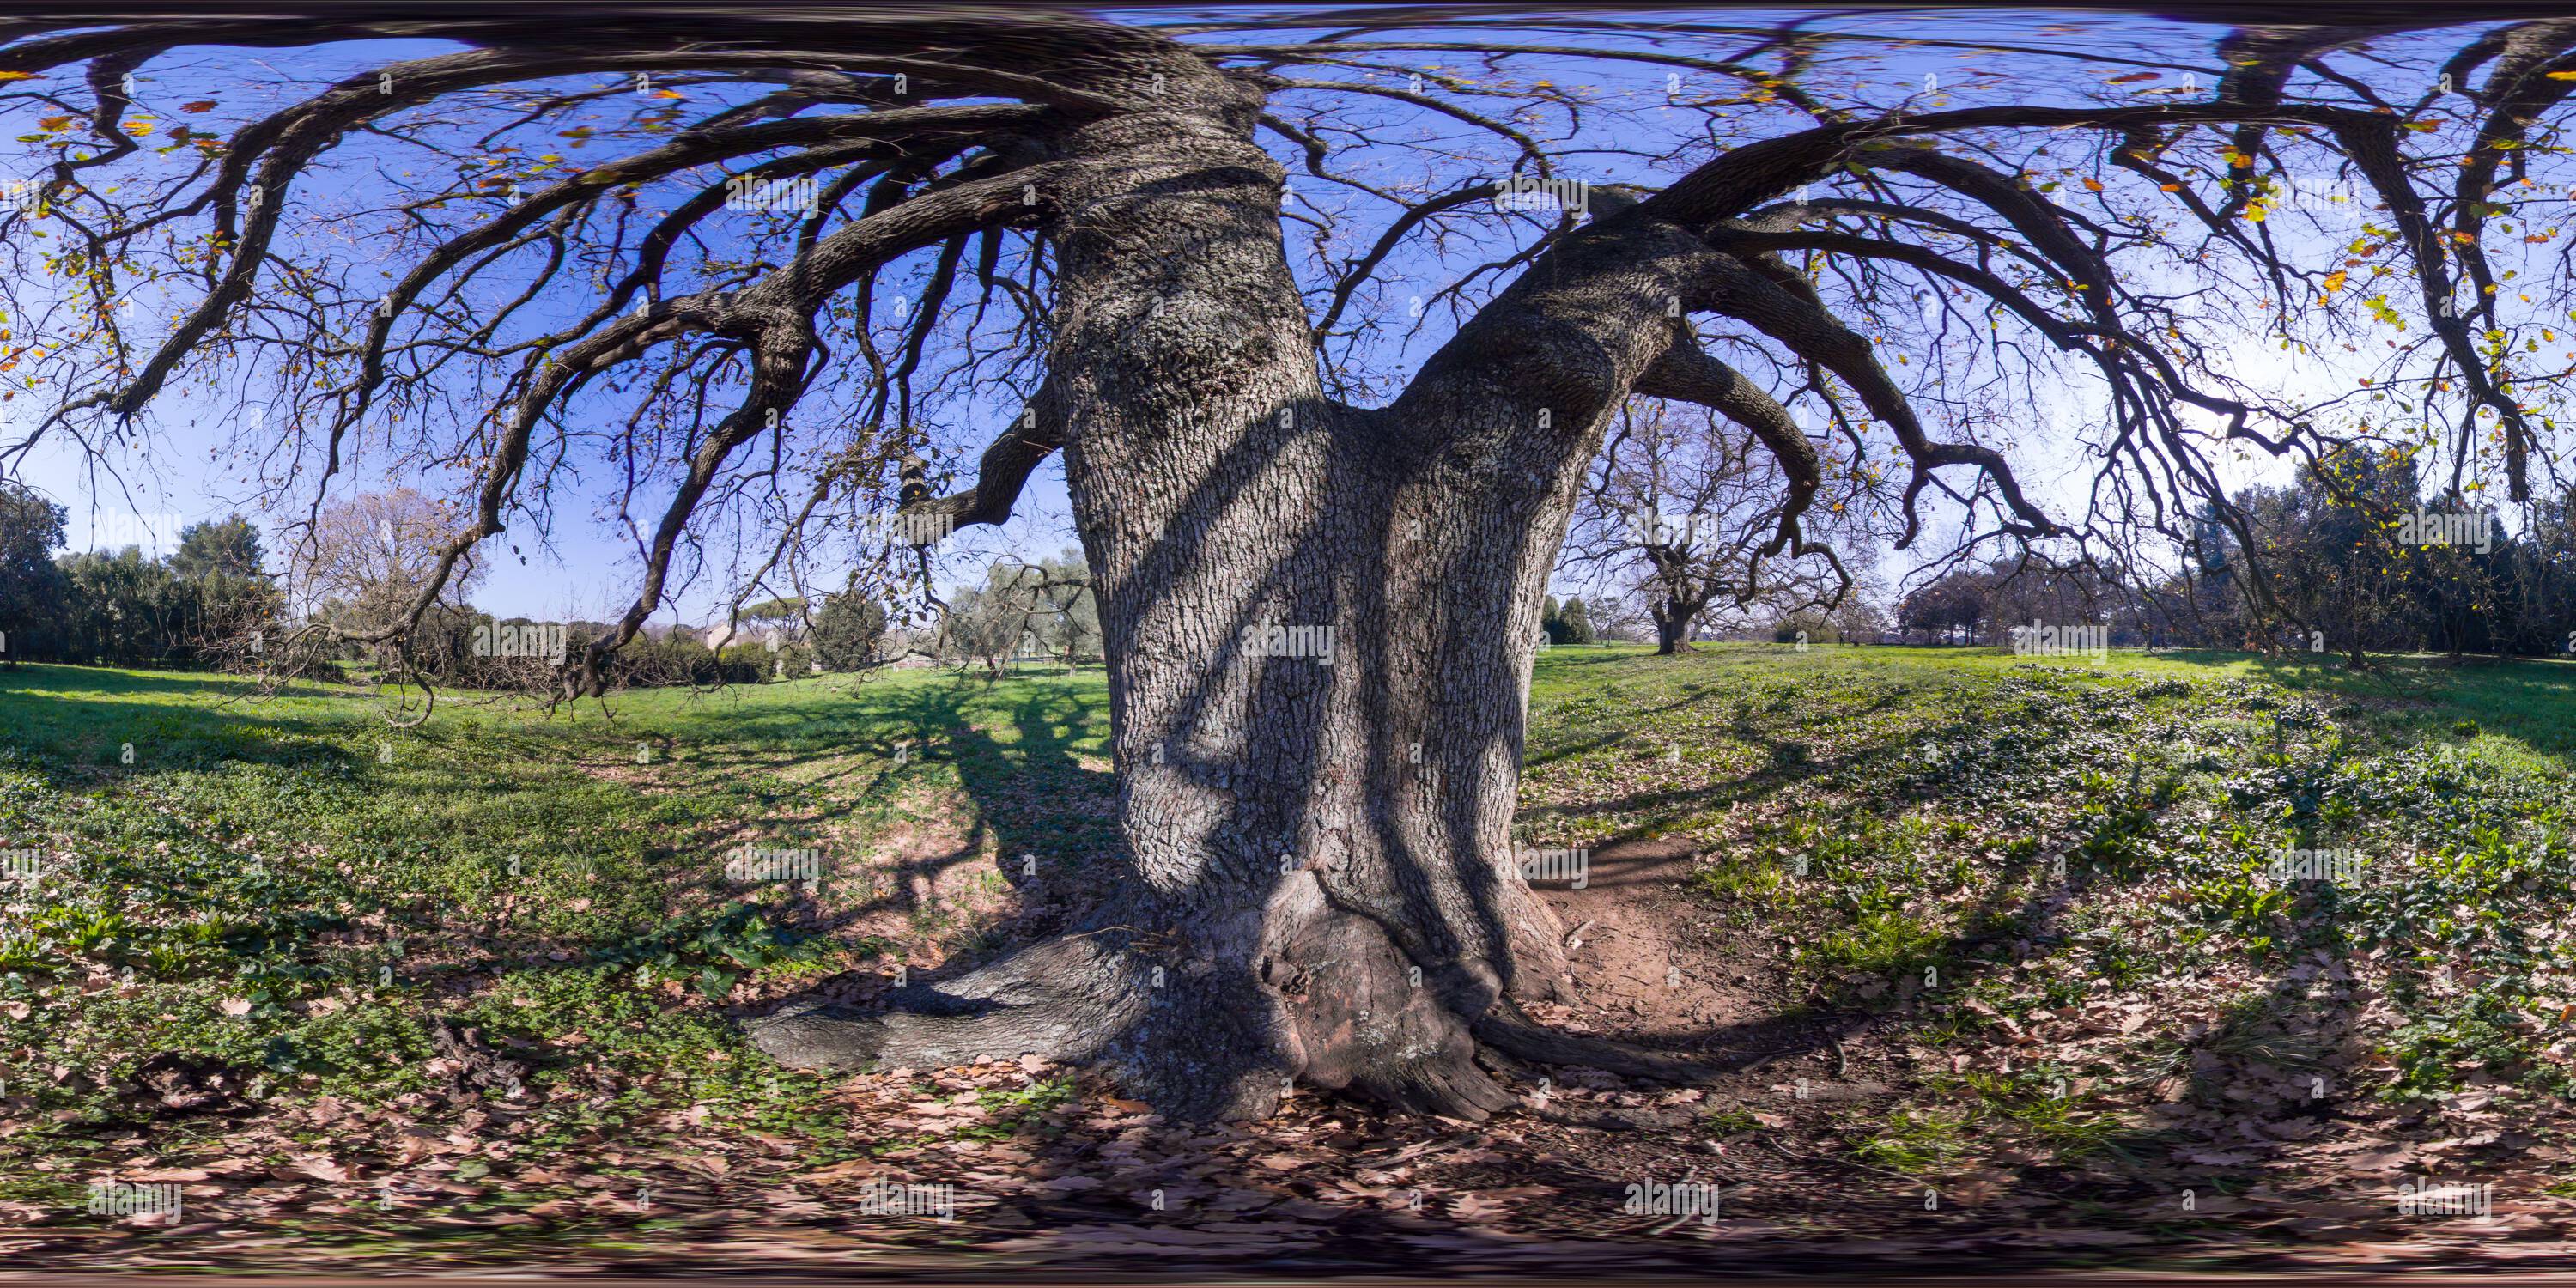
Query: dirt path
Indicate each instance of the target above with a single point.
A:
(1654, 969)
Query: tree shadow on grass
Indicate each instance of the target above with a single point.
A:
(1038, 810)
(2530, 700)
(70, 725)
(1036, 815)
(2022, 894)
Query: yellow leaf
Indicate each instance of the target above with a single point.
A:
(17, 76)
(2562, 75)
(2334, 281)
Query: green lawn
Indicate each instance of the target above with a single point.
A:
(286, 884)
(287, 887)
(2054, 840)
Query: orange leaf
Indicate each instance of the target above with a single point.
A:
(2092, 185)
(2132, 78)
(201, 105)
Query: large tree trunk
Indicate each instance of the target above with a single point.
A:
(1672, 632)
(1322, 884)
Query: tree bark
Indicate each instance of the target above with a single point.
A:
(1672, 633)
(1320, 880)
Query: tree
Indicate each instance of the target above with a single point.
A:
(1319, 575)
(120, 609)
(387, 574)
(1805, 626)
(1951, 606)
(1067, 618)
(228, 549)
(1857, 620)
(989, 623)
(229, 602)
(781, 617)
(848, 630)
(1691, 507)
(1578, 623)
(31, 586)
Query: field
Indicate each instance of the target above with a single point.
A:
(2183, 957)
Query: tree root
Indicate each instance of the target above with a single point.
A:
(1511, 1031)
(1315, 996)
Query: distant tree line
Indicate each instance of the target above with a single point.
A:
(212, 602)
(207, 602)
(2348, 559)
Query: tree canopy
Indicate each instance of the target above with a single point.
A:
(776, 269)
(1327, 317)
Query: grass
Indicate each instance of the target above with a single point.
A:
(284, 885)
(1915, 1142)
(2053, 835)
(288, 887)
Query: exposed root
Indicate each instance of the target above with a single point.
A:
(1510, 1030)
(1299, 993)
(1056, 999)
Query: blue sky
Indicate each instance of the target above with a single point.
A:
(182, 467)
